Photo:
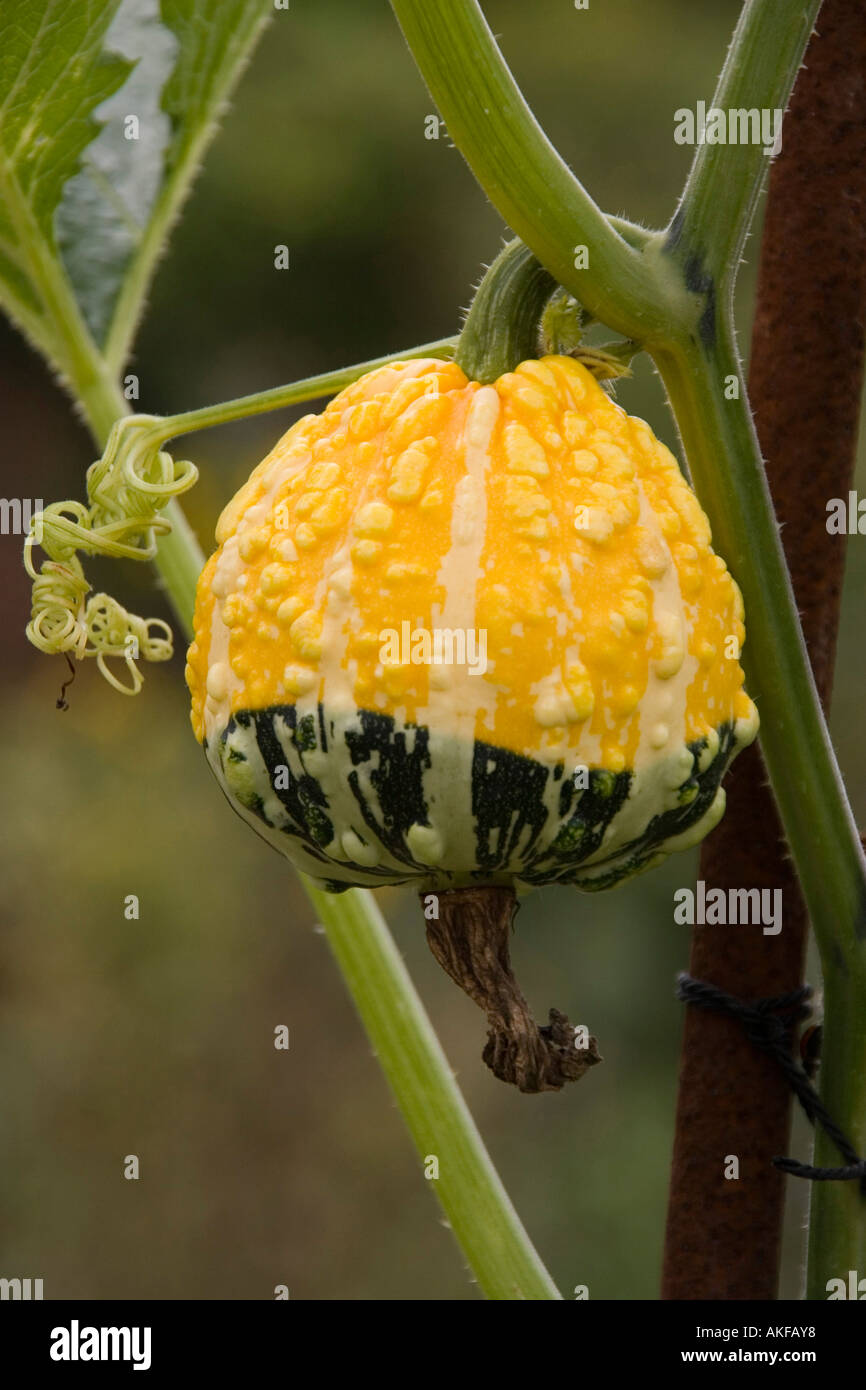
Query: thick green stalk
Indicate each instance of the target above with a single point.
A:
(179, 562)
(725, 179)
(837, 1223)
(722, 449)
(475, 1202)
(524, 176)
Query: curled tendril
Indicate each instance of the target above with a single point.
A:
(127, 488)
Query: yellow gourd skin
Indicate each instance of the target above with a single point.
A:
(559, 537)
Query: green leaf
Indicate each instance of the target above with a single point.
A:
(214, 40)
(216, 37)
(107, 205)
(53, 76)
(106, 108)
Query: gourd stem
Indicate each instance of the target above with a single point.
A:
(502, 326)
(469, 936)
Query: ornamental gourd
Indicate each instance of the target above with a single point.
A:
(467, 634)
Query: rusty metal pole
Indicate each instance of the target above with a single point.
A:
(805, 380)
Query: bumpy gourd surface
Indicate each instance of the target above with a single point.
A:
(534, 511)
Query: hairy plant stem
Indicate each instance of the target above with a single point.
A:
(475, 1202)
(168, 427)
(502, 326)
(722, 190)
(524, 176)
(806, 781)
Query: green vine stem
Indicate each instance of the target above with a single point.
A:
(765, 52)
(501, 328)
(527, 181)
(806, 781)
(309, 389)
(476, 1204)
(680, 310)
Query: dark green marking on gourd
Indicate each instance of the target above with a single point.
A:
(236, 790)
(696, 796)
(323, 733)
(303, 798)
(597, 805)
(303, 733)
(397, 779)
(508, 807)
(507, 798)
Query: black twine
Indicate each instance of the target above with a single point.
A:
(769, 1024)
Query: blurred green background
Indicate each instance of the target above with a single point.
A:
(155, 1037)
